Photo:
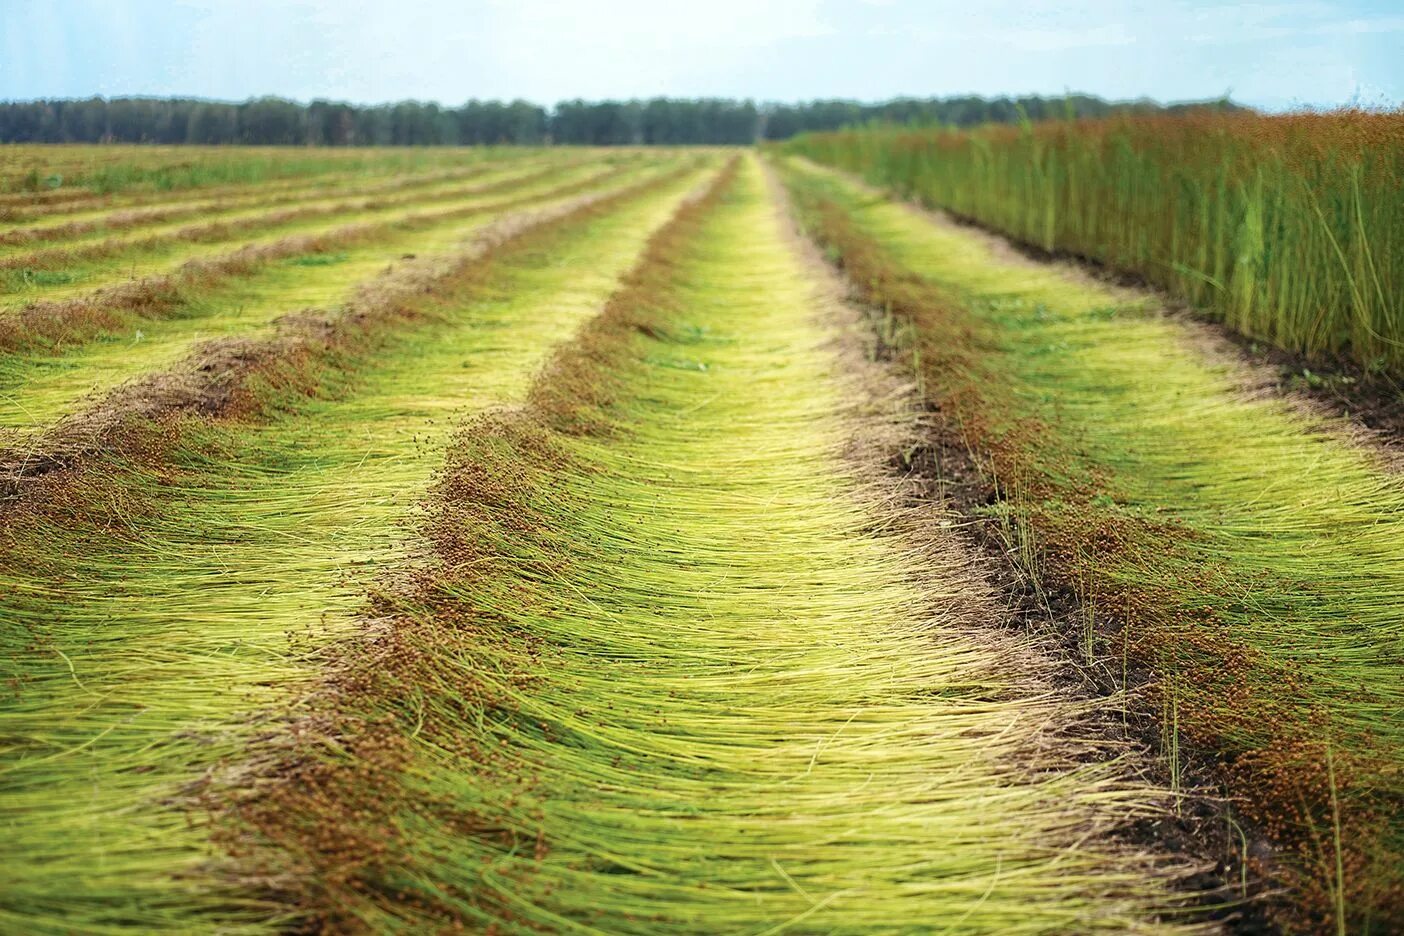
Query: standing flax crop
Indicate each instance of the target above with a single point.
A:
(1290, 229)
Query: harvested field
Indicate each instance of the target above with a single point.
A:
(658, 540)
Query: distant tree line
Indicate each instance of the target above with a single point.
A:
(275, 121)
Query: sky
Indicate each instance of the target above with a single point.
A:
(1270, 55)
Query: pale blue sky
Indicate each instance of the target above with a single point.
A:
(1270, 54)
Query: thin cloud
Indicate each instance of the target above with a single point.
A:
(1314, 52)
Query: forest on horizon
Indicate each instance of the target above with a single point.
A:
(274, 121)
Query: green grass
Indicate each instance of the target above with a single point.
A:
(1266, 559)
(171, 601)
(681, 672)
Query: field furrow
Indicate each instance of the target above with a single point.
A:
(1238, 556)
(675, 661)
(243, 548)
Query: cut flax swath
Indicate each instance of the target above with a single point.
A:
(216, 378)
(57, 204)
(164, 595)
(40, 386)
(46, 323)
(213, 228)
(145, 175)
(128, 218)
(668, 664)
(59, 272)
